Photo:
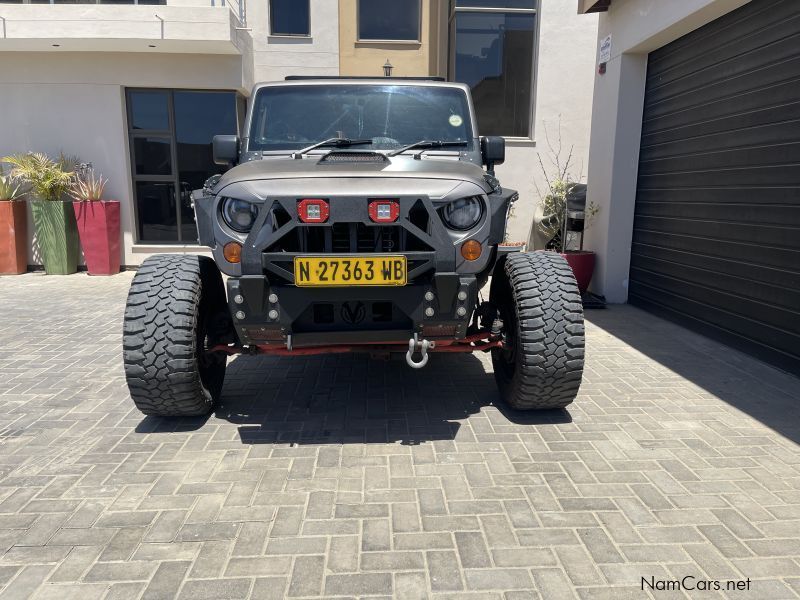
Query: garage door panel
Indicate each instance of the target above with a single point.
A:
(769, 256)
(711, 321)
(763, 196)
(772, 105)
(744, 233)
(757, 273)
(737, 75)
(776, 326)
(716, 232)
(710, 35)
(682, 142)
(754, 177)
(726, 95)
(768, 27)
(740, 158)
(754, 214)
(776, 295)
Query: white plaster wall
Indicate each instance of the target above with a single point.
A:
(565, 77)
(275, 57)
(90, 27)
(74, 103)
(637, 28)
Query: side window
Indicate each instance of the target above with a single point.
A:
(289, 17)
(392, 20)
(492, 50)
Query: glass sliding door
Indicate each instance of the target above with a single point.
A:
(170, 135)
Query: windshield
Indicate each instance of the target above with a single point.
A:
(392, 116)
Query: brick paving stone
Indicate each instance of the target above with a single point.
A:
(338, 476)
(307, 576)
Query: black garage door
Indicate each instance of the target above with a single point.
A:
(716, 242)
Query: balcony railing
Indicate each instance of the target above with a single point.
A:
(236, 6)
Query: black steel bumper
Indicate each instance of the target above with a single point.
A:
(279, 314)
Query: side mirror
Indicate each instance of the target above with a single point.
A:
(225, 149)
(493, 149)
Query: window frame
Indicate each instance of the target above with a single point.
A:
(360, 40)
(451, 67)
(174, 177)
(271, 32)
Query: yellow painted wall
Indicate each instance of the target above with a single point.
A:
(410, 59)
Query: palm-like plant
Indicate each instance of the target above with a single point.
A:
(9, 188)
(47, 179)
(87, 186)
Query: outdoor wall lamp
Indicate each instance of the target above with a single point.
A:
(387, 68)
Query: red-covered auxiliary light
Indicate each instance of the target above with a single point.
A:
(313, 210)
(384, 211)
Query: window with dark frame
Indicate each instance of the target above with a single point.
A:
(492, 49)
(389, 20)
(289, 17)
(170, 135)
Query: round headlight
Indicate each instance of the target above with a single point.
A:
(239, 215)
(463, 213)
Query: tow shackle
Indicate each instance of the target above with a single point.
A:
(414, 345)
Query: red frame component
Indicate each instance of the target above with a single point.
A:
(394, 211)
(302, 210)
(478, 342)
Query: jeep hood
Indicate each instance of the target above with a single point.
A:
(435, 176)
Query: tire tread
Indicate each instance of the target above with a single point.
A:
(159, 335)
(547, 305)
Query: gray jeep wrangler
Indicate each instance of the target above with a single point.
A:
(356, 217)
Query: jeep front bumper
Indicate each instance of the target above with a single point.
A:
(275, 314)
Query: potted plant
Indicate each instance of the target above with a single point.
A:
(13, 227)
(98, 222)
(563, 212)
(54, 220)
(561, 219)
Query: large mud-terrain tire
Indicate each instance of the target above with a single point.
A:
(170, 305)
(542, 364)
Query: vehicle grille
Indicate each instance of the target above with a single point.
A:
(349, 238)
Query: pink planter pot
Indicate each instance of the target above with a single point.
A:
(582, 263)
(98, 227)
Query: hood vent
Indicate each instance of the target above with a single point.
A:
(353, 157)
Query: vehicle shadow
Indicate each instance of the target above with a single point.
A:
(751, 386)
(353, 399)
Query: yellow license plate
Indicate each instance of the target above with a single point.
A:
(345, 271)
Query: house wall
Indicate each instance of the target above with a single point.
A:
(637, 28)
(409, 59)
(275, 57)
(74, 102)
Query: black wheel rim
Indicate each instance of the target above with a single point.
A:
(507, 356)
(207, 362)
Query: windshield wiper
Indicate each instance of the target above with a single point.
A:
(337, 142)
(426, 144)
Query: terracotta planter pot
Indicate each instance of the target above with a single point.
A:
(98, 226)
(57, 236)
(582, 263)
(13, 237)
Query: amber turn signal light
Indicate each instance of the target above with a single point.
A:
(232, 251)
(471, 250)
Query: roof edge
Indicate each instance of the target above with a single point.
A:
(593, 6)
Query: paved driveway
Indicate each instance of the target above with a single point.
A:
(340, 476)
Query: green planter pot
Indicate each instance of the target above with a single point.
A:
(57, 236)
